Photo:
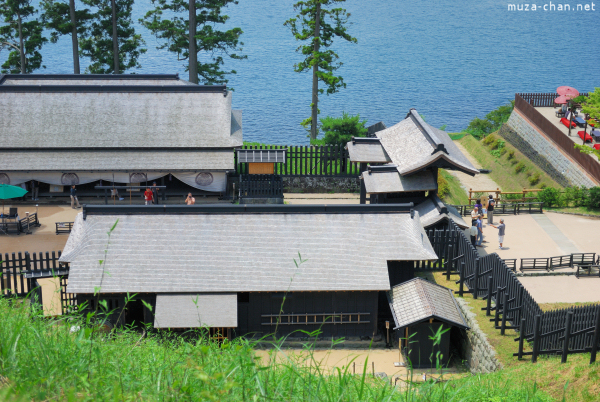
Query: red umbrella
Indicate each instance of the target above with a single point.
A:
(569, 91)
(561, 100)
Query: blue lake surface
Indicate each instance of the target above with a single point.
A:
(450, 60)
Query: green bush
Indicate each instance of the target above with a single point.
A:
(340, 130)
(514, 161)
(535, 179)
(443, 187)
(511, 154)
(520, 167)
(593, 200)
(489, 139)
(528, 174)
(480, 128)
(550, 196)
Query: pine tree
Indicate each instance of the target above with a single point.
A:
(190, 30)
(22, 35)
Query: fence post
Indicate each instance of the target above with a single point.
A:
(476, 285)
(450, 256)
(489, 296)
(565, 350)
(504, 313)
(497, 311)
(536, 337)
(596, 337)
(521, 337)
(28, 268)
(461, 276)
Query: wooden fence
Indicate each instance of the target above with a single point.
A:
(303, 161)
(587, 162)
(261, 186)
(19, 273)
(506, 208)
(542, 99)
(570, 330)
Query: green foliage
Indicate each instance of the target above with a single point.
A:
(57, 18)
(97, 44)
(318, 55)
(480, 128)
(443, 187)
(170, 23)
(535, 179)
(593, 199)
(498, 148)
(591, 105)
(520, 167)
(12, 14)
(489, 139)
(47, 358)
(340, 130)
(511, 154)
(584, 149)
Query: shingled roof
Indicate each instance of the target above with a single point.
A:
(115, 111)
(377, 182)
(418, 300)
(412, 145)
(433, 211)
(243, 252)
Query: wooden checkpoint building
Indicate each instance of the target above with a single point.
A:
(400, 163)
(137, 128)
(229, 267)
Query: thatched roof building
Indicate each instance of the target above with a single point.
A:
(75, 129)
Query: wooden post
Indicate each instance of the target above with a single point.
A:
(489, 296)
(537, 323)
(449, 262)
(461, 275)
(470, 194)
(363, 190)
(476, 286)
(497, 311)
(596, 337)
(568, 324)
(504, 313)
(521, 337)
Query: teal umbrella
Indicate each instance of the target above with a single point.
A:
(7, 191)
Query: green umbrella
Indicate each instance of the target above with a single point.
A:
(7, 191)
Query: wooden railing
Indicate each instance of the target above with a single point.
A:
(587, 162)
(542, 99)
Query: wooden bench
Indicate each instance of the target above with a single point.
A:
(64, 227)
(535, 263)
(511, 264)
(588, 270)
(560, 261)
(583, 259)
(29, 222)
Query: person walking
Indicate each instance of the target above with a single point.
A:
(473, 233)
(190, 200)
(479, 232)
(35, 190)
(74, 199)
(501, 230)
(490, 210)
(148, 196)
(154, 193)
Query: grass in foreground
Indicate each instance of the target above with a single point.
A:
(503, 169)
(581, 379)
(48, 359)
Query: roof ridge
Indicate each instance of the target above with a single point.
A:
(429, 134)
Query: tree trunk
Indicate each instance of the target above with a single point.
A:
(115, 38)
(21, 44)
(74, 38)
(315, 83)
(193, 57)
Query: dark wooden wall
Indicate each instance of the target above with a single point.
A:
(251, 307)
(400, 271)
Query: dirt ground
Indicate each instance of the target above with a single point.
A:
(378, 361)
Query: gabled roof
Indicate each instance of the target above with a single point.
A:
(115, 111)
(230, 250)
(414, 145)
(379, 181)
(418, 300)
(433, 210)
(192, 310)
(261, 155)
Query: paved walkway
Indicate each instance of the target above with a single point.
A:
(562, 289)
(562, 241)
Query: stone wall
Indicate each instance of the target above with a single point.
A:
(543, 152)
(479, 355)
(318, 184)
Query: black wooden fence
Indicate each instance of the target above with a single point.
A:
(19, 273)
(543, 99)
(489, 277)
(506, 208)
(261, 186)
(321, 160)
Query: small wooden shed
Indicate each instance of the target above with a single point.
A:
(261, 161)
(420, 308)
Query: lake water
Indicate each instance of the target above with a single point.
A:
(450, 60)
